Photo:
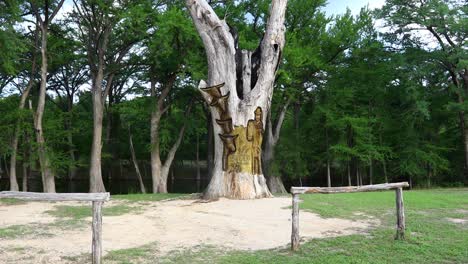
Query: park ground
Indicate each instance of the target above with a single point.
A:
(177, 228)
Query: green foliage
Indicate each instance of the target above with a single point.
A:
(358, 97)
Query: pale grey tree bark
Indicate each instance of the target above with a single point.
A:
(135, 162)
(272, 134)
(48, 177)
(234, 112)
(159, 169)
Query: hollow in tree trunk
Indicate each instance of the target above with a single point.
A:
(239, 90)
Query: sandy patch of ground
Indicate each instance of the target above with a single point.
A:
(174, 225)
(458, 220)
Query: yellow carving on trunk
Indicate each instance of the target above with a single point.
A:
(247, 157)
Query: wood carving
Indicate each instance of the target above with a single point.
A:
(220, 103)
(226, 125)
(213, 91)
(255, 135)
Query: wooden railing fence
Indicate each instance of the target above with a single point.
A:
(97, 199)
(400, 209)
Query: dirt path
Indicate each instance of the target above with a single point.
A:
(172, 225)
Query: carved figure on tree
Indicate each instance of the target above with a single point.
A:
(255, 135)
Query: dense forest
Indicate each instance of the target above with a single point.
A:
(96, 91)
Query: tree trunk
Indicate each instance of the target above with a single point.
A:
(209, 151)
(25, 177)
(135, 163)
(24, 96)
(96, 183)
(71, 147)
(274, 182)
(198, 163)
(371, 172)
(238, 113)
(328, 159)
(429, 175)
(349, 174)
(48, 181)
(160, 171)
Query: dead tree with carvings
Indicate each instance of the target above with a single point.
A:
(239, 91)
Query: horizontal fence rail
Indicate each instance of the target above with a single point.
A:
(349, 189)
(33, 196)
(97, 199)
(400, 209)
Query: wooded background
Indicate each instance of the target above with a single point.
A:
(358, 99)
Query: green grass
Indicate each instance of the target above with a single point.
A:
(20, 231)
(83, 211)
(131, 255)
(10, 201)
(148, 196)
(430, 238)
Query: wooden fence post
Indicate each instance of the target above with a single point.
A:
(295, 222)
(400, 210)
(97, 232)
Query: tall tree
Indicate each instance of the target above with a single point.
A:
(24, 95)
(444, 21)
(239, 113)
(106, 48)
(168, 51)
(45, 12)
(68, 74)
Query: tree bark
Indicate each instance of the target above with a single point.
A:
(349, 174)
(159, 170)
(198, 163)
(328, 159)
(274, 182)
(24, 96)
(238, 115)
(135, 162)
(48, 178)
(209, 151)
(96, 183)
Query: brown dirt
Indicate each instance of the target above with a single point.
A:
(171, 225)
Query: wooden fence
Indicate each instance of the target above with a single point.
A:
(97, 199)
(400, 210)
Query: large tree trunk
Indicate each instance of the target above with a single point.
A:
(274, 182)
(239, 91)
(96, 183)
(48, 181)
(160, 171)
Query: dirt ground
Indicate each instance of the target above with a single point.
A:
(170, 225)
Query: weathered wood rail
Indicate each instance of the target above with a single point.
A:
(400, 210)
(97, 199)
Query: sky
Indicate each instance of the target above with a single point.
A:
(335, 7)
